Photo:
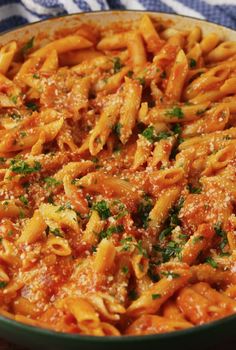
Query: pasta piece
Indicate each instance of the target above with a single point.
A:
(175, 114)
(214, 120)
(26, 139)
(219, 160)
(152, 324)
(222, 52)
(113, 42)
(142, 152)
(68, 43)
(162, 291)
(33, 229)
(94, 227)
(67, 217)
(84, 314)
(150, 35)
(104, 125)
(193, 37)
(58, 246)
(51, 62)
(209, 42)
(162, 153)
(177, 77)
(136, 50)
(105, 256)
(197, 243)
(7, 53)
(106, 305)
(162, 206)
(132, 97)
(74, 169)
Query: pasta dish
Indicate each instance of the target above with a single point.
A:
(118, 180)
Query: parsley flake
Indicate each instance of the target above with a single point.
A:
(175, 112)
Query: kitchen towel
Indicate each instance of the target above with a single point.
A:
(17, 12)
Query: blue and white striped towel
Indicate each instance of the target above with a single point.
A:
(16, 12)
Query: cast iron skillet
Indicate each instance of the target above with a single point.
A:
(221, 333)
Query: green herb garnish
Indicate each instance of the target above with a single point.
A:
(51, 182)
(175, 112)
(125, 269)
(116, 129)
(117, 64)
(211, 262)
(24, 200)
(3, 284)
(29, 45)
(112, 229)
(141, 250)
(192, 63)
(32, 106)
(102, 209)
(170, 274)
(22, 167)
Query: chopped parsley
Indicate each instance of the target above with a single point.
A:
(198, 239)
(192, 63)
(15, 116)
(55, 231)
(176, 128)
(195, 190)
(112, 229)
(141, 250)
(126, 243)
(116, 129)
(183, 236)
(32, 106)
(221, 233)
(23, 134)
(152, 273)
(163, 75)
(2, 160)
(133, 295)
(3, 284)
(22, 167)
(35, 76)
(29, 45)
(141, 81)
(150, 134)
(14, 99)
(102, 209)
(95, 160)
(50, 199)
(24, 200)
(171, 250)
(10, 233)
(21, 214)
(125, 269)
(170, 274)
(172, 220)
(211, 262)
(164, 233)
(93, 249)
(156, 296)
(63, 207)
(117, 65)
(51, 182)
(200, 111)
(143, 211)
(175, 112)
(130, 74)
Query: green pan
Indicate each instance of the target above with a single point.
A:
(218, 335)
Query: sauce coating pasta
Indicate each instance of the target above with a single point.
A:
(117, 180)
